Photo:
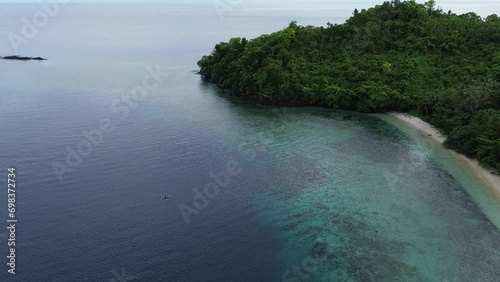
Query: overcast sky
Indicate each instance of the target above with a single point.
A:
(484, 7)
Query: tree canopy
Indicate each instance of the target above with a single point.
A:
(397, 56)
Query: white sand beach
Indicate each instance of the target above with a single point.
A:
(485, 175)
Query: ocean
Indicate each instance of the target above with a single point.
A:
(117, 118)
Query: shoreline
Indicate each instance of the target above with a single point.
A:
(492, 182)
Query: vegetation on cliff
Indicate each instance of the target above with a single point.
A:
(398, 56)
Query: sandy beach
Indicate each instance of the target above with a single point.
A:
(485, 175)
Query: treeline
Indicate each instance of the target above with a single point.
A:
(398, 56)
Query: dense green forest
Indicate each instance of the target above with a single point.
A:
(398, 56)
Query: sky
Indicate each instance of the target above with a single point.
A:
(483, 8)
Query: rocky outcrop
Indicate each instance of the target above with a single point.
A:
(19, 58)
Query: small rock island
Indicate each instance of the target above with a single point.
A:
(20, 58)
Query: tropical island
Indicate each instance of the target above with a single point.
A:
(400, 56)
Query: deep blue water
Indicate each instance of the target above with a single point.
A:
(312, 185)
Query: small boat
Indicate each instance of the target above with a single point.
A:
(166, 198)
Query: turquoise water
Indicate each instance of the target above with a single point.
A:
(331, 191)
(481, 195)
(323, 195)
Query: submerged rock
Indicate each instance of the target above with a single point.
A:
(320, 250)
(19, 58)
(322, 207)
